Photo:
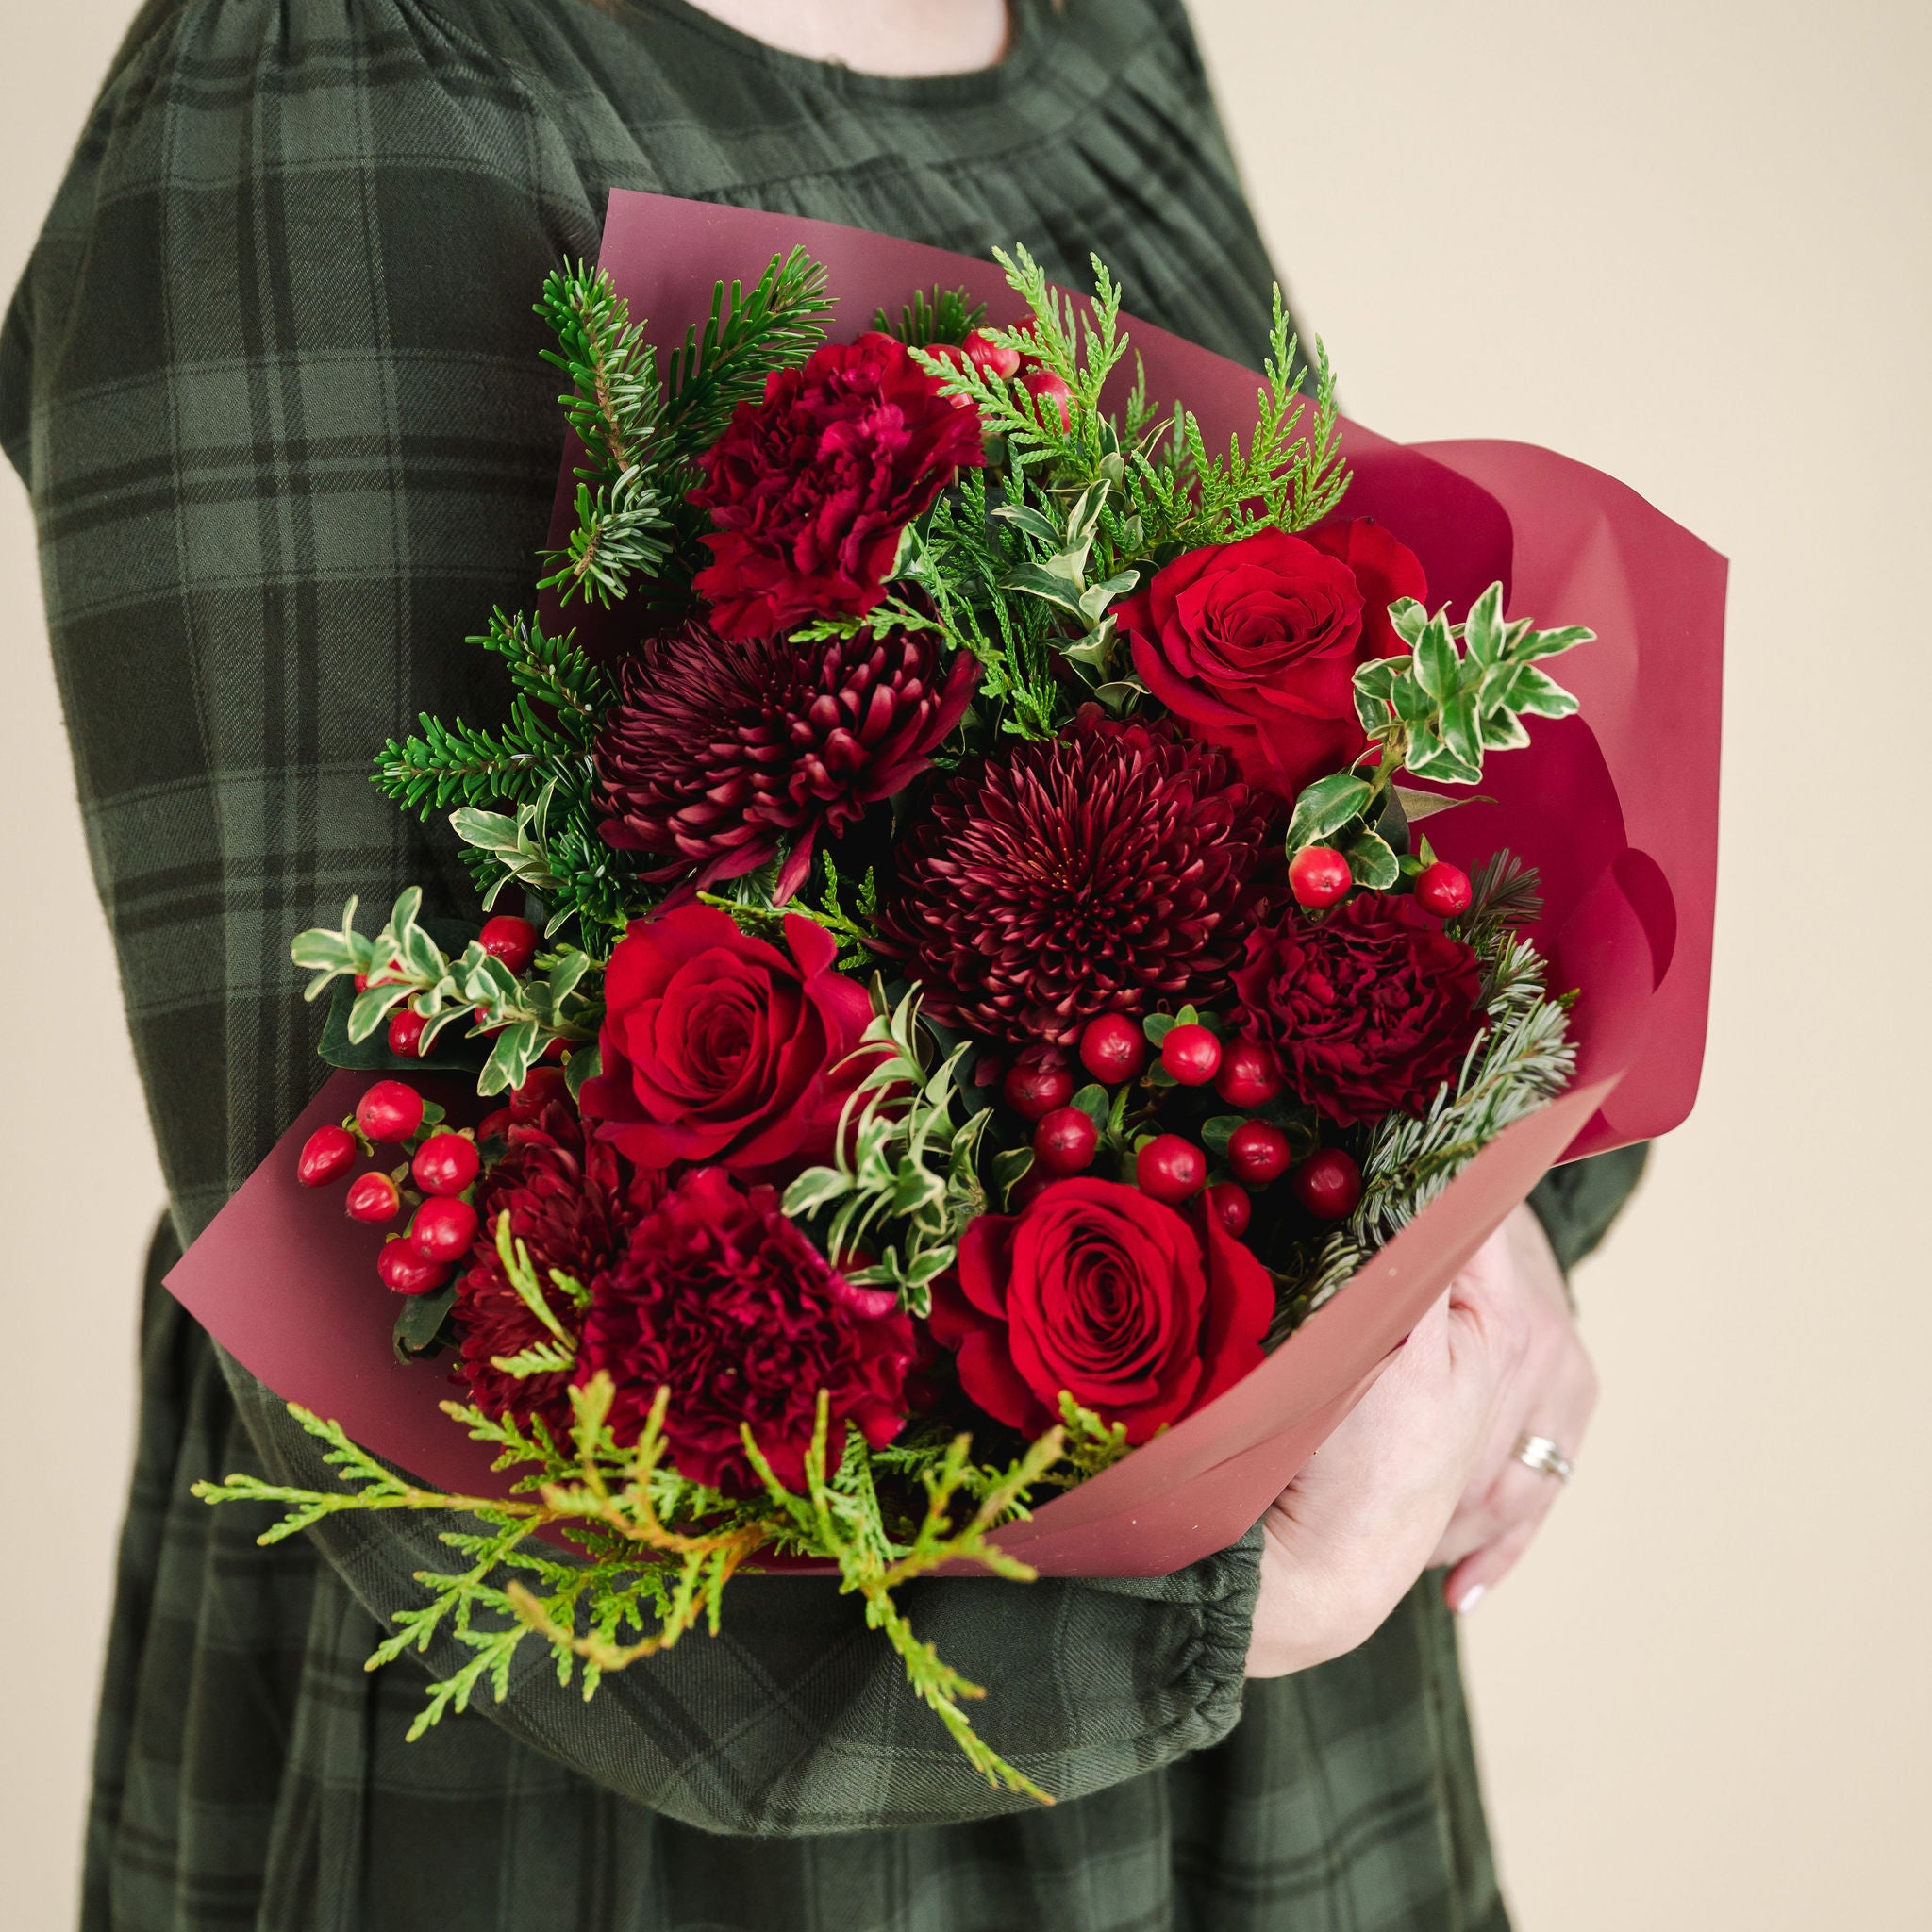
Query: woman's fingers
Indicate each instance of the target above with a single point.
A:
(1483, 1569)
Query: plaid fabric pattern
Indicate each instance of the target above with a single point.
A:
(272, 380)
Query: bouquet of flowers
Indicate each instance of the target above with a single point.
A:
(961, 971)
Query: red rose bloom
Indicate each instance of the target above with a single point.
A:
(1256, 644)
(1098, 1289)
(809, 489)
(722, 1299)
(569, 1202)
(718, 1047)
(1369, 1011)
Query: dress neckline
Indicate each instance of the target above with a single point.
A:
(1027, 35)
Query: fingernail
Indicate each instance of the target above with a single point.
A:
(1472, 1597)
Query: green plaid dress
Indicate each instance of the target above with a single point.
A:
(272, 380)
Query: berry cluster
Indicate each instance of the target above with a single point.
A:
(436, 1177)
(1067, 1133)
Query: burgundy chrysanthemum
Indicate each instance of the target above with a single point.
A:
(722, 751)
(724, 1301)
(1116, 868)
(572, 1205)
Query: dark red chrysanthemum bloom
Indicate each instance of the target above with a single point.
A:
(722, 751)
(724, 1301)
(809, 487)
(1370, 1009)
(1114, 868)
(572, 1204)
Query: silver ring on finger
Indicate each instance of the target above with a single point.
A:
(1541, 1454)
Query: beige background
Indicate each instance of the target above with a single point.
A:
(1687, 242)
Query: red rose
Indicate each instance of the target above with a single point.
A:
(722, 1299)
(1099, 1289)
(1256, 644)
(1369, 1011)
(569, 1202)
(718, 1047)
(809, 489)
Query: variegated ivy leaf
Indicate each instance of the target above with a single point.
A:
(1409, 620)
(517, 1048)
(816, 1188)
(1483, 633)
(371, 1007)
(583, 1063)
(1325, 806)
(1372, 862)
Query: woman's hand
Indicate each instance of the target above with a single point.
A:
(1422, 1472)
(1551, 1394)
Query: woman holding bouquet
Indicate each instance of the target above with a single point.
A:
(271, 380)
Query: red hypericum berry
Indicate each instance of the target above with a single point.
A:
(1318, 875)
(405, 1034)
(512, 940)
(1112, 1048)
(1250, 1075)
(362, 982)
(1171, 1169)
(1231, 1206)
(1329, 1184)
(328, 1152)
(406, 1269)
(372, 1197)
(1442, 889)
(444, 1229)
(1257, 1153)
(391, 1110)
(1192, 1055)
(990, 358)
(541, 1085)
(1065, 1140)
(1045, 387)
(445, 1164)
(1034, 1091)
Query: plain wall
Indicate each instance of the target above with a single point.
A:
(1686, 243)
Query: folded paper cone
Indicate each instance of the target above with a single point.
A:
(1616, 807)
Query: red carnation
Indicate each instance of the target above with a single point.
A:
(809, 489)
(716, 1046)
(1114, 868)
(722, 1299)
(1096, 1288)
(569, 1204)
(1256, 644)
(1369, 1011)
(721, 752)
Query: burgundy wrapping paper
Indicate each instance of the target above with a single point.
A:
(1617, 807)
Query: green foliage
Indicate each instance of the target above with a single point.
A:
(404, 963)
(947, 315)
(1025, 564)
(657, 1551)
(553, 718)
(616, 405)
(777, 325)
(855, 930)
(641, 435)
(1436, 711)
(903, 1171)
